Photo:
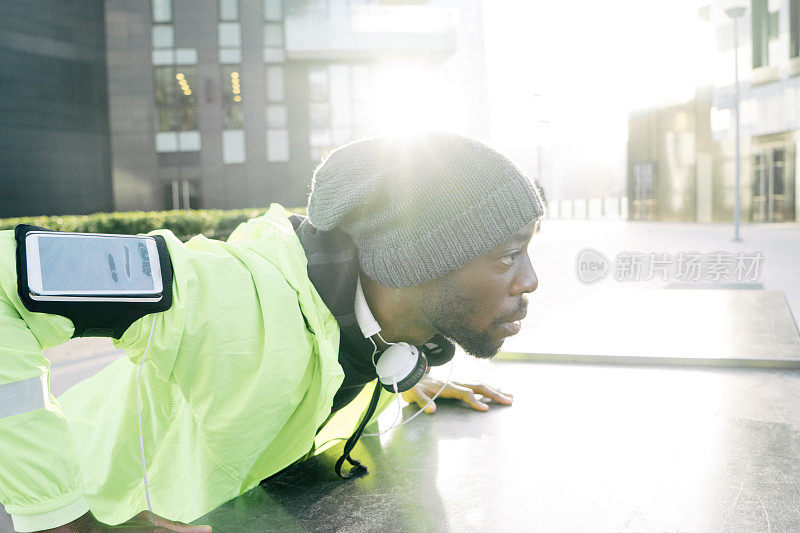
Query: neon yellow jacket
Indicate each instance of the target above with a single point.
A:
(241, 372)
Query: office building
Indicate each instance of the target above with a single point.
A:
(232, 103)
(668, 180)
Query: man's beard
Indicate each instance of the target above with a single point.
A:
(476, 343)
(446, 311)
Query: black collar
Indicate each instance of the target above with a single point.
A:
(333, 270)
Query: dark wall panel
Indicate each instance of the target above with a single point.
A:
(54, 134)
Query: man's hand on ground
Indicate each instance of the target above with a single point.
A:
(423, 391)
(141, 523)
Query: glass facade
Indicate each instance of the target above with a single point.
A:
(232, 114)
(176, 103)
(772, 187)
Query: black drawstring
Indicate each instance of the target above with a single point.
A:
(358, 469)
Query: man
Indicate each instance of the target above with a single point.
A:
(262, 341)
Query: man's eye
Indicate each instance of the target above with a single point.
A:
(509, 259)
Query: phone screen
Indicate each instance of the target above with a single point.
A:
(75, 264)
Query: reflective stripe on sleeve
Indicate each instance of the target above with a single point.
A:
(52, 519)
(22, 396)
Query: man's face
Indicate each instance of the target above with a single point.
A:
(481, 304)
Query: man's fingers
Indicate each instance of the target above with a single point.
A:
(466, 394)
(417, 395)
(494, 395)
(422, 400)
(427, 388)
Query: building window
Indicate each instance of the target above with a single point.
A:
(162, 11)
(350, 89)
(277, 134)
(765, 29)
(318, 85)
(273, 10)
(178, 56)
(274, 51)
(644, 200)
(319, 115)
(176, 103)
(773, 185)
(277, 117)
(174, 90)
(274, 55)
(230, 35)
(176, 110)
(340, 105)
(275, 83)
(794, 28)
(340, 88)
(228, 9)
(232, 115)
(363, 92)
(233, 146)
(230, 43)
(273, 35)
(277, 146)
(163, 36)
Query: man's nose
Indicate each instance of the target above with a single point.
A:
(527, 280)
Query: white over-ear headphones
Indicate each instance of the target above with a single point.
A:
(401, 365)
(398, 364)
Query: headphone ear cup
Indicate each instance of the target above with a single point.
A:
(438, 350)
(413, 378)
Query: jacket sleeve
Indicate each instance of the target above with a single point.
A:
(40, 483)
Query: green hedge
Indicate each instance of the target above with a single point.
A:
(213, 223)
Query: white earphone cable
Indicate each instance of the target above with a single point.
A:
(139, 413)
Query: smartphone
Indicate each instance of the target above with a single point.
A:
(92, 267)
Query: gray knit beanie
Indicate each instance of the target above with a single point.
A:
(418, 208)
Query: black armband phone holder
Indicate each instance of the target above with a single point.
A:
(94, 319)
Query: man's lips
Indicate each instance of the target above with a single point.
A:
(510, 328)
(513, 325)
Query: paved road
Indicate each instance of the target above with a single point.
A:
(555, 250)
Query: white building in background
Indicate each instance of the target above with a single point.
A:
(232, 103)
(682, 159)
(769, 67)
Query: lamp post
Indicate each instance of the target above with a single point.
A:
(735, 13)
